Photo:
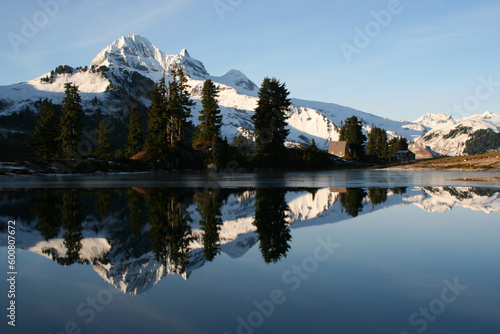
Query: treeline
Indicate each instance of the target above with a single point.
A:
(376, 147)
(170, 139)
(167, 139)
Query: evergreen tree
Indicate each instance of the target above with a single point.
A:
(352, 201)
(210, 118)
(48, 215)
(136, 207)
(352, 132)
(208, 206)
(168, 114)
(271, 212)
(71, 120)
(179, 107)
(102, 203)
(377, 143)
(71, 220)
(102, 151)
(270, 116)
(377, 195)
(170, 230)
(135, 140)
(397, 144)
(46, 132)
(180, 234)
(157, 139)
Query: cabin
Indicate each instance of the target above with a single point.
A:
(337, 148)
(404, 156)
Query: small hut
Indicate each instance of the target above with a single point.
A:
(338, 148)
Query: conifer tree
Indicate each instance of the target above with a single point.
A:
(208, 206)
(210, 118)
(102, 151)
(47, 215)
(157, 140)
(71, 120)
(397, 144)
(135, 140)
(179, 106)
(270, 116)
(136, 207)
(352, 132)
(46, 132)
(352, 201)
(71, 221)
(377, 143)
(271, 212)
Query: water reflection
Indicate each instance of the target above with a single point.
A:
(135, 237)
(271, 213)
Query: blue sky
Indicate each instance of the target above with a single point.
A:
(426, 56)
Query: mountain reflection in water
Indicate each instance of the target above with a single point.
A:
(135, 237)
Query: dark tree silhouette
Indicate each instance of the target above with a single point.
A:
(352, 201)
(208, 206)
(271, 212)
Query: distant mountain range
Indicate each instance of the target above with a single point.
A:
(123, 74)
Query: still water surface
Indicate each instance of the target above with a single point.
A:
(338, 252)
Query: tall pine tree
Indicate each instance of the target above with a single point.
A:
(71, 120)
(179, 107)
(352, 132)
(377, 143)
(102, 150)
(168, 114)
(271, 213)
(135, 139)
(46, 132)
(270, 116)
(210, 118)
(157, 139)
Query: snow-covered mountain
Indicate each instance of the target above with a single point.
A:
(127, 262)
(123, 74)
(469, 135)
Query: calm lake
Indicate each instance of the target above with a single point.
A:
(361, 251)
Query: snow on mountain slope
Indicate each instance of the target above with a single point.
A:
(431, 121)
(22, 95)
(136, 53)
(124, 72)
(325, 119)
(239, 81)
(452, 136)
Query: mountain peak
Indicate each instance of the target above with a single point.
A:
(137, 53)
(184, 53)
(238, 81)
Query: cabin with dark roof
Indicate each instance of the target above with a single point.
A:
(338, 148)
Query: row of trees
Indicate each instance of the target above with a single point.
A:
(55, 136)
(377, 146)
(168, 128)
